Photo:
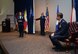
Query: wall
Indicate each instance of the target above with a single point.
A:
(6, 7)
(64, 6)
(39, 8)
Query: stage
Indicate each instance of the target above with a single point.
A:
(29, 44)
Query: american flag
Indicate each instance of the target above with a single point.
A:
(57, 20)
(47, 20)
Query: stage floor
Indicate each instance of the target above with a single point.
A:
(29, 44)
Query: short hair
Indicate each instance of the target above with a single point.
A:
(60, 14)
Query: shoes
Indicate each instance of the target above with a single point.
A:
(21, 36)
(60, 49)
(43, 34)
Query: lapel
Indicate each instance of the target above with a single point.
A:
(60, 24)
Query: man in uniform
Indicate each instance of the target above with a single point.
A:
(60, 34)
(20, 21)
(42, 23)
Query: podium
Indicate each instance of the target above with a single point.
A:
(6, 25)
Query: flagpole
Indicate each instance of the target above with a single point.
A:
(46, 3)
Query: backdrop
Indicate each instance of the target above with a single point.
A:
(76, 10)
(22, 5)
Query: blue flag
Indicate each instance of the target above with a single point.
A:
(31, 25)
(31, 12)
(33, 21)
(57, 8)
(57, 21)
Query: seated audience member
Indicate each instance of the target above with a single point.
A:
(61, 34)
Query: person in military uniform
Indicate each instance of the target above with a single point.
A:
(20, 21)
(42, 23)
(60, 34)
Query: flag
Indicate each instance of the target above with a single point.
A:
(32, 22)
(47, 20)
(25, 22)
(33, 25)
(31, 12)
(16, 16)
(32, 15)
(57, 20)
(73, 12)
(57, 8)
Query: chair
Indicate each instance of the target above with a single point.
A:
(73, 34)
(76, 40)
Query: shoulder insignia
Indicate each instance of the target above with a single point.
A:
(63, 21)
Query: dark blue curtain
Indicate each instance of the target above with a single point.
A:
(76, 1)
(22, 5)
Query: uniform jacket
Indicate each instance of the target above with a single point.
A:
(62, 28)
